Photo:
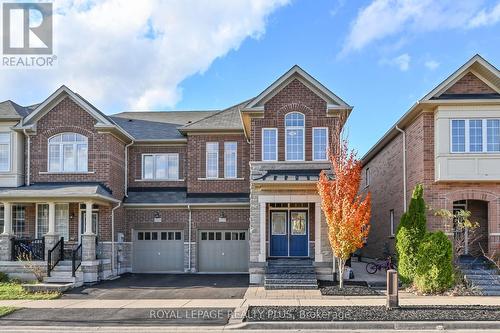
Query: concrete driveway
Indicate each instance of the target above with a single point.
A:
(165, 286)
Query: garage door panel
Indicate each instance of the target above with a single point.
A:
(223, 251)
(157, 251)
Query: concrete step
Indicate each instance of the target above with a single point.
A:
(290, 270)
(291, 276)
(62, 279)
(291, 286)
(490, 288)
(290, 281)
(486, 277)
(479, 272)
(47, 287)
(491, 292)
(289, 262)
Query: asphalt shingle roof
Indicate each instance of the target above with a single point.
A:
(181, 197)
(11, 110)
(291, 175)
(55, 190)
(148, 130)
(228, 119)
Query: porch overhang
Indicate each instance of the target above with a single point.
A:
(57, 192)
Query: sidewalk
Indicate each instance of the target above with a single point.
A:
(238, 303)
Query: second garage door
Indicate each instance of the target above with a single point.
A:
(224, 251)
(158, 251)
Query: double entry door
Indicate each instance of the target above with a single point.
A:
(289, 233)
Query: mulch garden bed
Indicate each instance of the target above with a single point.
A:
(373, 313)
(351, 288)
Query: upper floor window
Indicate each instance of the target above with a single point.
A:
(367, 177)
(294, 136)
(391, 221)
(68, 152)
(320, 143)
(475, 135)
(269, 144)
(4, 151)
(230, 159)
(160, 166)
(212, 160)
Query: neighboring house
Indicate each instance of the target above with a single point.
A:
(450, 142)
(184, 191)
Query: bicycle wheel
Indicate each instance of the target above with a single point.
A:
(371, 268)
(393, 266)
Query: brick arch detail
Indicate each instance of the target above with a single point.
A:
(493, 201)
(294, 107)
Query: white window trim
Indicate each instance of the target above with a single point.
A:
(9, 144)
(61, 155)
(235, 162)
(167, 155)
(303, 128)
(313, 146)
(66, 237)
(467, 136)
(36, 220)
(275, 130)
(367, 177)
(206, 159)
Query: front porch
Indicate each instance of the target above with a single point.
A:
(55, 230)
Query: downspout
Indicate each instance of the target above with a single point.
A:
(113, 237)
(404, 166)
(189, 240)
(126, 168)
(28, 157)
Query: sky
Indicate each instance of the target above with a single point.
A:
(379, 56)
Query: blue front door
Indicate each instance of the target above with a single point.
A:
(288, 234)
(279, 234)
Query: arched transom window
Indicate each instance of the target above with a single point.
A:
(294, 136)
(68, 152)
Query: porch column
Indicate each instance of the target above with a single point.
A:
(88, 218)
(318, 256)
(262, 255)
(51, 237)
(6, 235)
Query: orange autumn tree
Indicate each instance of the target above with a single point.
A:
(346, 211)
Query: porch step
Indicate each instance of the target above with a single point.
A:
(62, 273)
(478, 273)
(290, 274)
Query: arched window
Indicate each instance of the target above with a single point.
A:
(294, 136)
(68, 152)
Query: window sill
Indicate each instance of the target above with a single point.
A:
(159, 180)
(221, 178)
(66, 173)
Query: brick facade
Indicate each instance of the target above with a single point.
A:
(470, 84)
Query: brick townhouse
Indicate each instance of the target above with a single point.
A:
(152, 192)
(449, 141)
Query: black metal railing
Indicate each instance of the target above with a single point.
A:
(76, 259)
(55, 255)
(28, 249)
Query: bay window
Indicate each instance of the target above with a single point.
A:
(4, 151)
(230, 159)
(269, 144)
(212, 160)
(294, 136)
(68, 152)
(475, 136)
(320, 143)
(160, 166)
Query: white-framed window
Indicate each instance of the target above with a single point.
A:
(391, 221)
(5, 151)
(367, 177)
(42, 220)
(160, 166)
(269, 144)
(475, 135)
(212, 160)
(2, 218)
(294, 136)
(320, 143)
(19, 220)
(230, 159)
(62, 220)
(68, 152)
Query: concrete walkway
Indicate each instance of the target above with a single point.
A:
(238, 303)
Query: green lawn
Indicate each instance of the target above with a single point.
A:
(5, 310)
(14, 290)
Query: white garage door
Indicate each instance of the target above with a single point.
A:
(158, 251)
(224, 251)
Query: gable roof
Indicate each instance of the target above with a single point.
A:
(11, 110)
(477, 65)
(298, 73)
(226, 120)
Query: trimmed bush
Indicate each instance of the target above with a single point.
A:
(434, 272)
(410, 233)
(4, 277)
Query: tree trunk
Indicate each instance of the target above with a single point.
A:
(341, 273)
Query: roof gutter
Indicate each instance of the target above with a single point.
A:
(404, 166)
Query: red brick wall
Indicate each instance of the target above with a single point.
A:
(135, 165)
(105, 152)
(197, 165)
(470, 84)
(177, 219)
(294, 97)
